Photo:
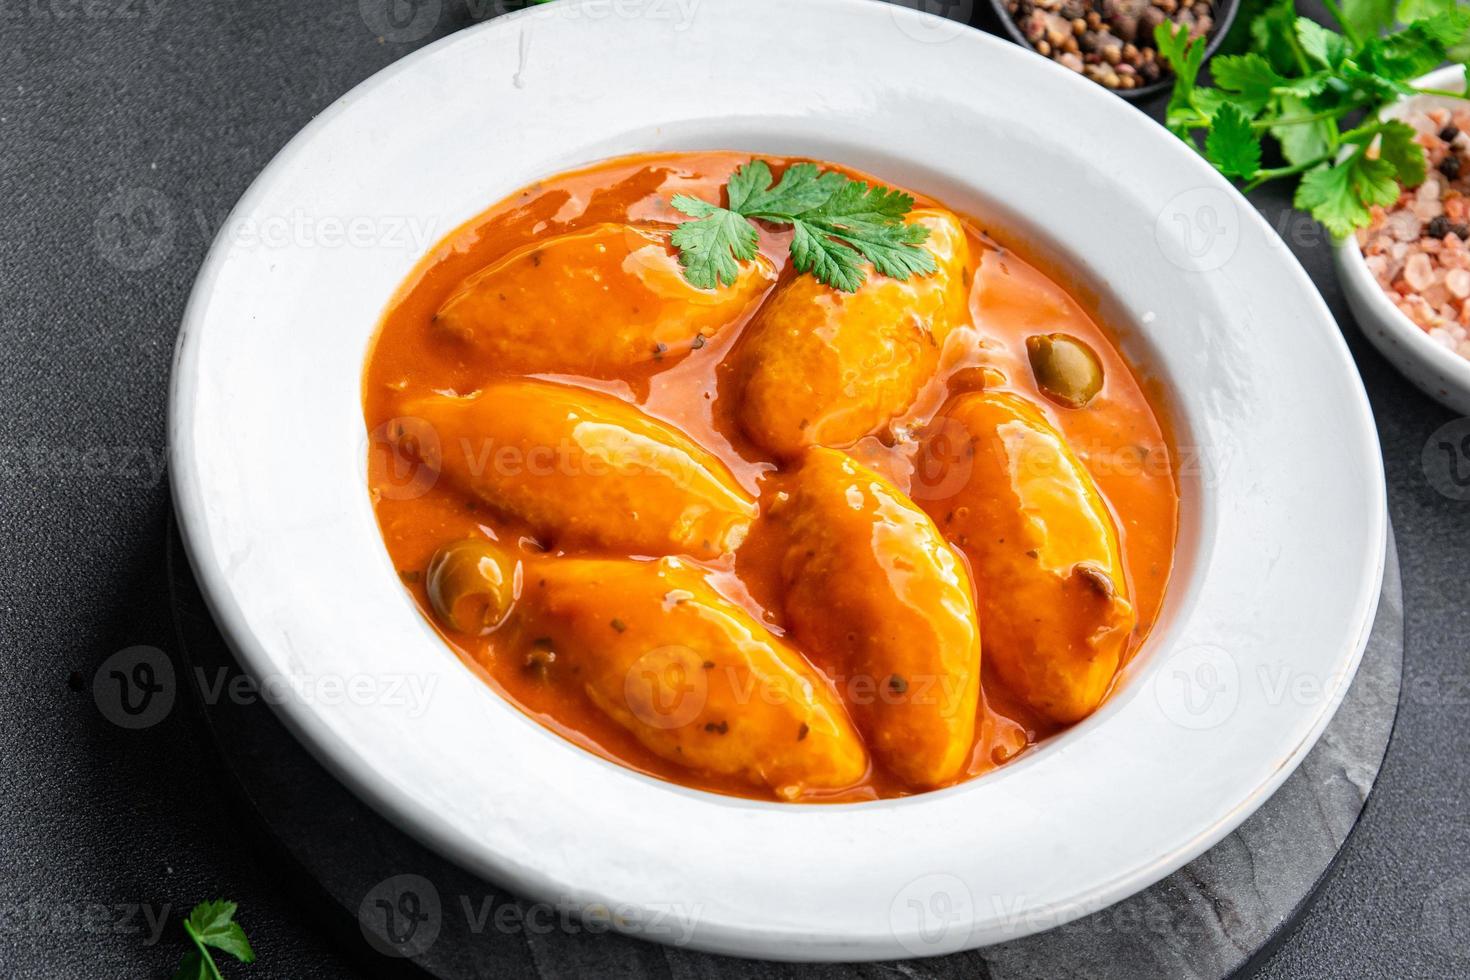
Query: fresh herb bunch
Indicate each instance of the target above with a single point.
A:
(212, 925)
(1300, 83)
(840, 224)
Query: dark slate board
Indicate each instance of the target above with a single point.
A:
(1212, 919)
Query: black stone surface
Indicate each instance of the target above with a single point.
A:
(1217, 917)
(127, 130)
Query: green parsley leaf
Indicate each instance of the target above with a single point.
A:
(1301, 142)
(1249, 78)
(1232, 145)
(870, 220)
(211, 925)
(1374, 182)
(803, 187)
(1328, 48)
(1446, 27)
(1415, 50)
(1273, 36)
(1300, 81)
(1185, 57)
(193, 967)
(1339, 196)
(749, 180)
(1372, 86)
(1367, 18)
(1328, 194)
(829, 260)
(1207, 101)
(1397, 146)
(1412, 10)
(712, 246)
(840, 224)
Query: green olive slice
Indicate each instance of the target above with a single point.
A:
(1067, 370)
(472, 586)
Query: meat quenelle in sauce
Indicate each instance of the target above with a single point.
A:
(762, 535)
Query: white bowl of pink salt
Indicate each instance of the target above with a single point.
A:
(1407, 275)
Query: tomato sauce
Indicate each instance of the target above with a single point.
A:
(1121, 436)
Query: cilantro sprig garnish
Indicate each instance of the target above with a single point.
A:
(210, 926)
(839, 224)
(1306, 87)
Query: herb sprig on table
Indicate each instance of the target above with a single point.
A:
(1302, 85)
(212, 926)
(839, 226)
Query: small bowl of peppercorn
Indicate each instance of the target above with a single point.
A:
(1112, 41)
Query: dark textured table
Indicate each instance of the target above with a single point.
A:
(127, 130)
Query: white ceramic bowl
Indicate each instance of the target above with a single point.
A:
(1438, 372)
(1283, 521)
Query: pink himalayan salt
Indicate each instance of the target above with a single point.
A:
(1419, 272)
(1457, 281)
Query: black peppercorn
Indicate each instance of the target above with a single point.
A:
(1450, 166)
(1439, 227)
(1449, 133)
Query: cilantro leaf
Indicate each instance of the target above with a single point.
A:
(1373, 87)
(1397, 145)
(1367, 18)
(1446, 27)
(748, 181)
(211, 925)
(193, 967)
(1414, 50)
(1412, 10)
(1300, 81)
(803, 187)
(840, 225)
(1301, 142)
(893, 252)
(870, 220)
(1339, 196)
(857, 203)
(712, 246)
(1329, 48)
(1373, 179)
(1273, 36)
(1249, 78)
(1232, 145)
(1458, 42)
(1185, 57)
(831, 261)
(1328, 194)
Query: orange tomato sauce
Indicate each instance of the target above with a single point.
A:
(1121, 436)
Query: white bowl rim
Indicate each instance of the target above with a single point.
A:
(1352, 263)
(733, 934)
